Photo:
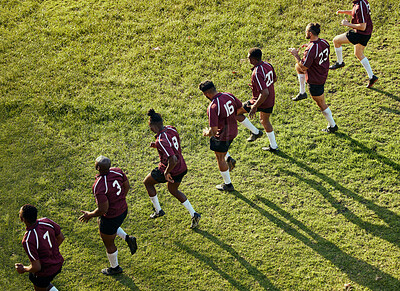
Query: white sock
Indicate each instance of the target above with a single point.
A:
(339, 54)
(53, 289)
(367, 67)
(227, 156)
(121, 233)
(272, 141)
(156, 204)
(113, 258)
(246, 123)
(189, 207)
(328, 115)
(227, 178)
(302, 82)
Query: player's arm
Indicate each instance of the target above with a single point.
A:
(261, 98)
(34, 267)
(60, 238)
(126, 186)
(347, 12)
(358, 26)
(172, 162)
(211, 131)
(295, 53)
(101, 209)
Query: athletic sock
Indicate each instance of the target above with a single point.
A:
(367, 67)
(53, 289)
(302, 82)
(227, 156)
(156, 204)
(246, 123)
(272, 141)
(121, 233)
(328, 115)
(227, 178)
(189, 207)
(339, 54)
(113, 258)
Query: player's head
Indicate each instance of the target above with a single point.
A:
(28, 214)
(208, 89)
(254, 55)
(102, 164)
(156, 121)
(312, 29)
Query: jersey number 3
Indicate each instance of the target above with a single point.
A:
(116, 185)
(323, 56)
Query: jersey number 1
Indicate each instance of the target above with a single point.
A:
(229, 108)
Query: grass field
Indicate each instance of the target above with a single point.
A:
(76, 81)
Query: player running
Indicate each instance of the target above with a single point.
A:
(222, 114)
(359, 36)
(41, 243)
(313, 68)
(110, 189)
(262, 86)
(171, 169)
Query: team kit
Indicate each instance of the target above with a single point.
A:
(43, 236)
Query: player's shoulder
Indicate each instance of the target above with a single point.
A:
(116, 171)
(324, 41)
(46, 222)
(171, 129)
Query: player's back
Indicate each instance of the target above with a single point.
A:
(317, 61)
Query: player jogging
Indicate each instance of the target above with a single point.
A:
(110, 189)
(263, 78)
(313, 68)
(41, 243)
(222, 114)
(171, 169)
(359, 36)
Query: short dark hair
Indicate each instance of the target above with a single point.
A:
(255, 53)
(154, 117)
(314, 28)
(29, 213)
(206, 85)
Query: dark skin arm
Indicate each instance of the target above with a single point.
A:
(34, 267)
(172, 162)
(263, 96)
(126, 186)
(101, 209)
(60, 238)
(211, 131)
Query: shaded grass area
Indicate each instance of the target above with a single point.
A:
(76, 81)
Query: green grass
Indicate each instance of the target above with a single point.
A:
(76, 81)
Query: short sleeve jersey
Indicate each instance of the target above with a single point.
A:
(222, 114)
(263, 77)
(40, 243)
(168, 144)
(109, 188)
(316, 59)
(362, 14)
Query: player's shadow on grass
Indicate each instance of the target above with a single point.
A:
(397, 98)
(389, 233)
(253, 271)
(125, 280)
(357, 270)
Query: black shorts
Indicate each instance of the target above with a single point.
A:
(316, 90)
(221, 146)
(247, 106)
(356, 38)
(157, 175)
(42, 282)
(109, 226)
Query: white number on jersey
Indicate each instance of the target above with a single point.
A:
(269, 78)
(323, 56)
(175, 142)
(116, 185)
(46, 235)
(229, 108)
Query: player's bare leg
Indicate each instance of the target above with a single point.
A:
(149, 183)
(359, 53)
(302, 84)
(264, 119)
(326, 111)
(224, 170)
(338, 41)
(112, 254)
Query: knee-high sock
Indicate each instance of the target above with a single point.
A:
(339, 54)
(302, 82)
(328, 115)
(189, 207)
(246, 123)
(156, 204)
(367, 67)
(113, 258)
(227, 178)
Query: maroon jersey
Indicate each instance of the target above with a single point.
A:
(316, 59)
(40, 243)
(168, 144)
(263, 77)
(109, 188)
(222, 114)
(362, 14)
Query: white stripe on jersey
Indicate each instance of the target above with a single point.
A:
(324, 41)
(166, 137)
(259, 85)
(37, 240)
(94, 188)
(27, 246)
(172, 129)
(362, 11)
(116, 173)
(230, 96)
(48, 224)
(105, 182)
(316, 55)
(218, 105)
(312, 44)
(164, 149)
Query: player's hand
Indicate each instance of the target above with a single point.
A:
(168, 177)
(152, 144)
(206, 132)
(345, 22)
(339, 12)
(252, 111)
(20, 268)
(294, 51)
(85, 217)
